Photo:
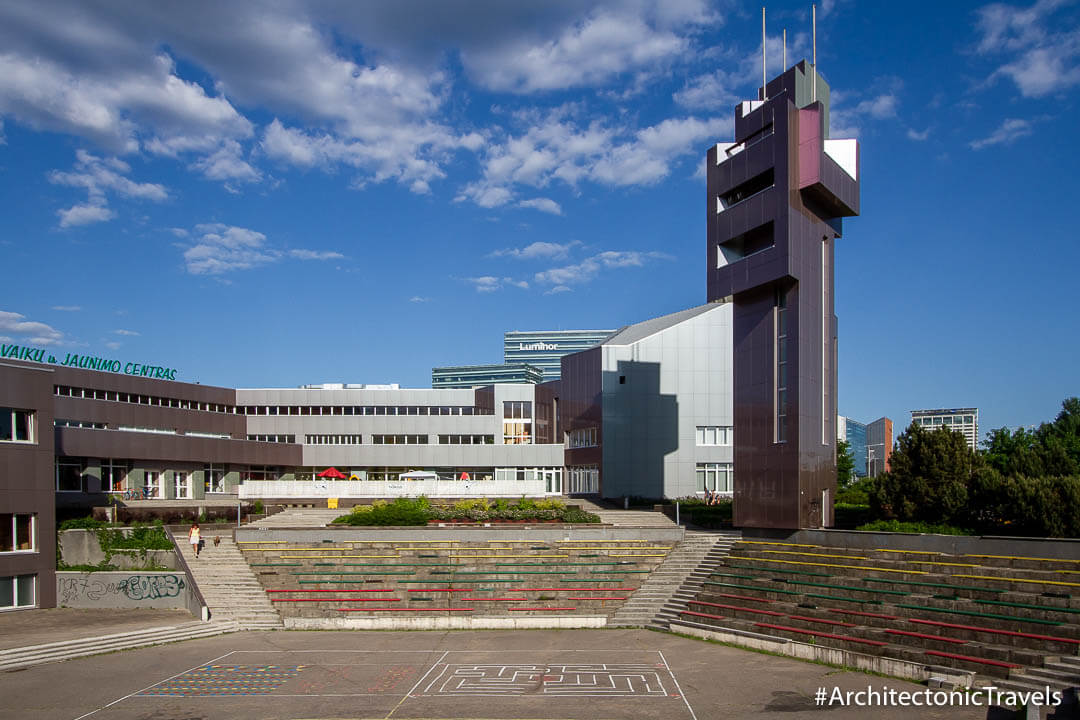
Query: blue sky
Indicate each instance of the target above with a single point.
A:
(326, 192)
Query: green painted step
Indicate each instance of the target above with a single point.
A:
(920, 583)
(1028, 606)
(842, 587)
(751, 587)
(774, 570)
(972, 613)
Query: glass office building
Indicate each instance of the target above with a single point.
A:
(468, 376)
(962, 420)
(544, 349)
(854, 433)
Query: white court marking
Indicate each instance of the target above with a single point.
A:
(558, 677)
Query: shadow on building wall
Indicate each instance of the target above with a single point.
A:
(641, 427)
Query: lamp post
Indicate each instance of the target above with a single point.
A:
(870, 457)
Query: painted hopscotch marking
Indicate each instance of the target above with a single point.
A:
(213, 680)
(549, 679)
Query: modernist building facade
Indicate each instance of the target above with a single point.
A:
(545, 349)
(854, 434)
(962, 420)
(879, 446)
(648, 412)
(776, 197)
(470, 376)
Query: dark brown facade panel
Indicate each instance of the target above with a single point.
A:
(81, 442)
(74, 377)
(26, 476)
(116, 414)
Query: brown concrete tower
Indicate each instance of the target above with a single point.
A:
(776, 197)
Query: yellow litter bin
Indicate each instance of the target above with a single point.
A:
(331, 503)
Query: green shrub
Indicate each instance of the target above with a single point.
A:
(848, 515)
(912, 527)
(403, 511)
(711, 516)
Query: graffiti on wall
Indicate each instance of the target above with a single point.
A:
(134, 587)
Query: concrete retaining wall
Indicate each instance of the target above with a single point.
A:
(81, 547)
(1065, 549)
(445, 623)
(123, 590)
(539, 533)
(892, 667)
(281, 489)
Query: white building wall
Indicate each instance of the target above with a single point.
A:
(676, 380)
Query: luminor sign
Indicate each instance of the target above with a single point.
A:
(87, 362)
(538, 346)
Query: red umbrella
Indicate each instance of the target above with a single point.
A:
(332, 473)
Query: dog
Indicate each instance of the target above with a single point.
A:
(217, 540)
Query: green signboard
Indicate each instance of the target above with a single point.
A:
(87, 362)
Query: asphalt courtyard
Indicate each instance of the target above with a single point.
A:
(549, 675)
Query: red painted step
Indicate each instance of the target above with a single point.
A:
(981, 661)
(817, 633)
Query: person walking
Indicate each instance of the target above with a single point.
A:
(194, 537)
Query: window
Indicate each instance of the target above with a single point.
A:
(86, 424)
(583, 480)
(16, 425)
(113, 475)
(781, 367)
(17, 532)
(214, 478)
(714, 435)
(151, 484)
(714, 477)
(273, 438)
(581, 438)
(17, 591)
(517, 409)
(182, 485)
(69, 477)
(259, 472)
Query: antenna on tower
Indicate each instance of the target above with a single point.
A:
(784, 64)
(813, 24)
(763, 80)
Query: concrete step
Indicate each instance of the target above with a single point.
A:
(1051, 675)
(55, 652)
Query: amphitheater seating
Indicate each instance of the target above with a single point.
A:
(991, 614)
(437, 578)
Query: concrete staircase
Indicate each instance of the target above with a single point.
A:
(670, 586)
(300, 517)
(16, 658)
(1061, 675)
(228, 585)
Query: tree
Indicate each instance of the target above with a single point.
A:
(845, 464)
(928, 479)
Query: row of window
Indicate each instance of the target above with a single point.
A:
(154, 400)
(17, 532)
(273, 438)
(466, 439)
(333, 439)
(581, 437)
(946, 420)
(71, 477)
(17, 591)
(16, 425)
(399, 439)
(714, 434)
(182, 404)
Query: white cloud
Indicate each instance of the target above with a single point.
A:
(711, 91)
(418, 299)
(558, 289)
(113, 345)
(555, 147)
(542, 204)
(917, 135)
(848, 122)
(540, 249)
(603, 45)
(67, 308)
(227, 163)
(29, 331)
(222, 248)
(85, 214)
(1010, 130)
(99, 177)
(588, 269)
(129, 333)
(1041, 52)
(316, 254)
(490, 283)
